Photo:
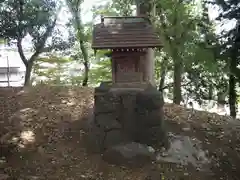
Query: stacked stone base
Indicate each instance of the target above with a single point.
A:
(123, 115)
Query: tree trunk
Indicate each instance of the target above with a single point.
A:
(221, 96)
(75, 8)
(162, 80)
(86, 71)
(232, 96)
(177, 94)
(163, 74)
(85, 63)
(232, 83)
(27, 79)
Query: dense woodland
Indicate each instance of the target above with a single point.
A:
(195, 62)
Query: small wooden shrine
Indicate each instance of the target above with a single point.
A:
(130, 108)
(128, 40)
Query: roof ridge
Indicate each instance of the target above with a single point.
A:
(120, 32)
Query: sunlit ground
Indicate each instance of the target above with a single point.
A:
(210, 107)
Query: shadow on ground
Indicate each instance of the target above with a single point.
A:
(47, 126)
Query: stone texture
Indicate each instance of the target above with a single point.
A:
(107, 121)
(183, 151)
(114, 137)
(149, 99)
(126, 115)
(107, 102)
(129, 154)
(95, 137)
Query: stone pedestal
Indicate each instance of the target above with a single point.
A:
(126, 114)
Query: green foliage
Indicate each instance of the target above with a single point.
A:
(182, 27)
(230, 11)
(2, 41)
(189, 43)
(25, 17)
(80, 35)
(58, 70)
(36, 18)
(53, 69)
(101, 71)
(187, 36)
(114, 8)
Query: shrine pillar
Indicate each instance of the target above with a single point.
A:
(144, 9)
(150, 65)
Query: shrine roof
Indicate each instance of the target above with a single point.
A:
(124, 32)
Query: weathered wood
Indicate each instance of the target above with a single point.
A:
(145, 9)
(135, 32)
(129, 77)
(131, 40)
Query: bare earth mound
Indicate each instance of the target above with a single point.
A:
(44, 126)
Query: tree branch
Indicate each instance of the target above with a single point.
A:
(20, 51)
(42, 42)
(20, 17)
(20, 33)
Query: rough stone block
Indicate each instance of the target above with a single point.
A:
(129, 154)
(104, 87)
(107, 102)
(94, 138)
(114, 137)
(128, 115)
(155, 136)
(150, 100)
(107, 121)
(147, 118)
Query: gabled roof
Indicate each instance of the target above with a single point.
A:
(124, 32)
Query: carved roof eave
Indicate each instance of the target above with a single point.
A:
(108, 54)
(112, 34)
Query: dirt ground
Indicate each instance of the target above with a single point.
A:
(46, 124)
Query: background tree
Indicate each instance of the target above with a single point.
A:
(75, 9)
(231, 45)
(20, 18)
(180, 27)
(195, 64)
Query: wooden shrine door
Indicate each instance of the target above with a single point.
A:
(127, 70)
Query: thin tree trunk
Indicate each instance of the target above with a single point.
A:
(85, 63)
(232, 96)
(232, 84)
(80, 37)
(210, 92)
(163, 74)
(75, 8)
(177, 93)
(27, 79)
(162, 80)
(86, 72)
(221, 96)
(177, 77)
